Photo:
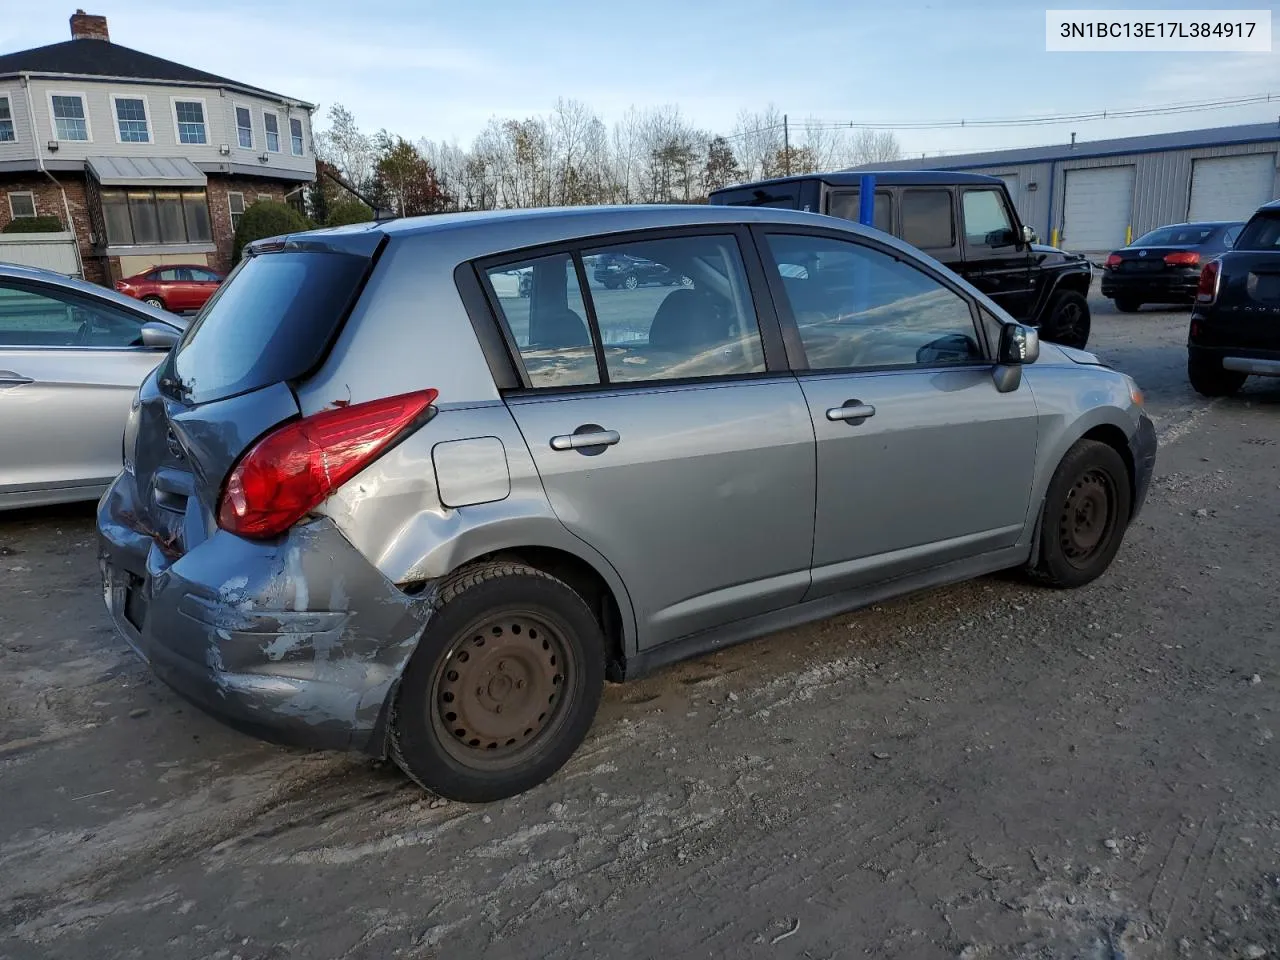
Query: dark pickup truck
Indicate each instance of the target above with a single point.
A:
(964, 220)
(1235, 323)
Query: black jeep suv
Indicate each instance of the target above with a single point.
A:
(965, 220)
(1235, 323)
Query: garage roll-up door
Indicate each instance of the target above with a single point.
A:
(1097, 207)
(1231, 188)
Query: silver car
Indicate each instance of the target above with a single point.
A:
(375, 501)
(72, 355)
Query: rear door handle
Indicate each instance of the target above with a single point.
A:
(588, 438)
(853, 411)
(10, 379)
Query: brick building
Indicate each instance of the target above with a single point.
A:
(147, 160)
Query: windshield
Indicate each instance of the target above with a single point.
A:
(272, 320)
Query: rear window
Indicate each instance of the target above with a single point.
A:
(271, 321)
(1261, 233)
(1175, 236)
(926, 219)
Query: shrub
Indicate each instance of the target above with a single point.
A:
(34, 225)
(348, 210)
(266, 218)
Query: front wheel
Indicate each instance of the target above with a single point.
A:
(631, 282)
(1086, 512)
(154, 301)
(1067, 320)
(503, 686)
(1209, 379)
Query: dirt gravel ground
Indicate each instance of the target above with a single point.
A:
(985, 771)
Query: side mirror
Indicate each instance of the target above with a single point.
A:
(1029, 235)
(1019, 344)
(158, 335)
(1000, 238)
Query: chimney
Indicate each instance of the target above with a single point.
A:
(87, 26)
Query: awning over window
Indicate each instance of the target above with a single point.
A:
(145, 172)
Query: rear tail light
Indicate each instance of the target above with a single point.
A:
(1113, 261)
(1210, 277)
(1183, 258)
(290, 471)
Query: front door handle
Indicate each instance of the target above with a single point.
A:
(853, 411)
(10, 379)
(580, 438)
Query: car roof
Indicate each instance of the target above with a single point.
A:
(177, 266)
(494, 232)
(14, 271)
(853, 178)
(1197, 223)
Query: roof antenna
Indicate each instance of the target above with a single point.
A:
(1073, 140)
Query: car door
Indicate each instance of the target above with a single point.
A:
(920, 459)
(206, 285)
(996, 261)
(663, 437)
(69, 366)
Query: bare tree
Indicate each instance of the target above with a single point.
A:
(824, 147)
(627, 151)
(874, 146)
(569, 129)
(757, 140)
(346, 148)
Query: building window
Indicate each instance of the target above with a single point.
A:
(235, 203)
(244, 127)
(295, 135)
(264, 198)
(131, 120)
(7, 134)
(189, 116)
(140, 217)
(22, 203)
(69, 121)
(271, 120)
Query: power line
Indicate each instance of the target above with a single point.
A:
(1169, 109)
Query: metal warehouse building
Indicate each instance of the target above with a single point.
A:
(1093, 197)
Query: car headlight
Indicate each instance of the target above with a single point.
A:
(1135, 392)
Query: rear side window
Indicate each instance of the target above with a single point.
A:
(1260, 233)
(848, 205)
(271, 321)
(926, 219)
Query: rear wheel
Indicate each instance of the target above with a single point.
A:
(503, 686)
(1209, 379)
(154, 301)
(1068, 320)
(1128, 305)
(631, 282)
(1086, 511)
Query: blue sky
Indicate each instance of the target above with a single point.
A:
(441, 70)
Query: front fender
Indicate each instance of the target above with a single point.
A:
(1065, 277)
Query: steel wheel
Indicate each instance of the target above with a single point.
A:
(499, 691)
(1087, 519)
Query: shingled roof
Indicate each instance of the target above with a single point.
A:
(98, 58)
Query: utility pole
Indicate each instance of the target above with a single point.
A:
(786, 146)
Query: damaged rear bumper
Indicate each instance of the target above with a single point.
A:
(297, 641)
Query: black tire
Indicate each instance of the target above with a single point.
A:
(540, 636)
(155, 302)
(1085, 514)
(1067, 320)
(1209, 379)
(1128, 305)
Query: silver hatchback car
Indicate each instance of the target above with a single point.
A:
(374, 500)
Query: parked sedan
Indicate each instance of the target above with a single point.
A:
(370, 505)
(71, 356)
(174, 287)
(1163, 266)
(619, 270)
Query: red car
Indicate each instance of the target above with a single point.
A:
(173, 286)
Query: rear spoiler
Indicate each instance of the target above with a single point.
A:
(362, 243)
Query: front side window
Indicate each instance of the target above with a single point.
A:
(42, 317)
(22, 203)
(1231, 236)
(986, 222)
(244, 127)
(848, 204)
(926, 219)
(295, 136)
(664, 309)
(148, 217)
(856, 307)
(1262, 232)
(7, 134)
(131, 120)
(189, 115)
(271, 122)
(69, 121)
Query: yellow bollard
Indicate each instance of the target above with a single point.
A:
(1053, 237)
(1128, 235)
